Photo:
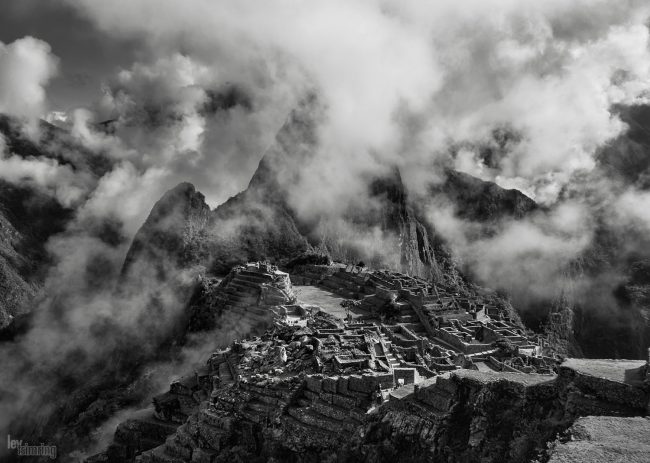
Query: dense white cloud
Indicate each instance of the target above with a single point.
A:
(527, 258)
(26, 66)
(632, 208)
(413, 84)
(401, 81)
(47, 175)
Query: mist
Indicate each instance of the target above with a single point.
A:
(422, 87)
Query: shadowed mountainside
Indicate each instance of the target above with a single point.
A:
(28, 218)
(482, 201)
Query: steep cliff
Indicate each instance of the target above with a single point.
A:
(462, 416)
(28, 218)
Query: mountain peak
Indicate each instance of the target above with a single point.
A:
(171, 230)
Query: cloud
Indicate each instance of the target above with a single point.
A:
(47, 175)
(526, 258)
(58, 118)
(632, 209)
(400, 83)
(126, 195)
(26, 66)
(524, 71)
(515, 91)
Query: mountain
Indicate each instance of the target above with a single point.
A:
(173, 235)
(28, 218)
(259, 223)
(481, 201)
(184, 236)
(182, 232)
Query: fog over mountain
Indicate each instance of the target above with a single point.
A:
(502, 144)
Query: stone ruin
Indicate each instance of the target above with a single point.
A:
(434, 326)
(439, 377)
(246, 300)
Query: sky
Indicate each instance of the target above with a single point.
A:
(87, 56)
(198, 91)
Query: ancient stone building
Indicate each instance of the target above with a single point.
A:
(400, 370)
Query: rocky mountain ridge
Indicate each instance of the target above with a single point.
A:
(260, 223)
(28, 218)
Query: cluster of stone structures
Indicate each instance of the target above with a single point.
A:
(245, 301)
(412, 372)
(258, 284)
(432, 325)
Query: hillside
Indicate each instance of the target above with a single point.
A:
(28, 218)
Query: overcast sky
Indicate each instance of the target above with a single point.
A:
(87, 56)
(198, 89)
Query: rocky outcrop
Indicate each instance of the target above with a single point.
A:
(501, 417)
(461, 416)
(421, 251)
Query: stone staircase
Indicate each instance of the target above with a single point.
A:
(395, 360)
(225, 375)
(410, 318)
(417, 328)
(392, 359)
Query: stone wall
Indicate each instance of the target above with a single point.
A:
(463, 416)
